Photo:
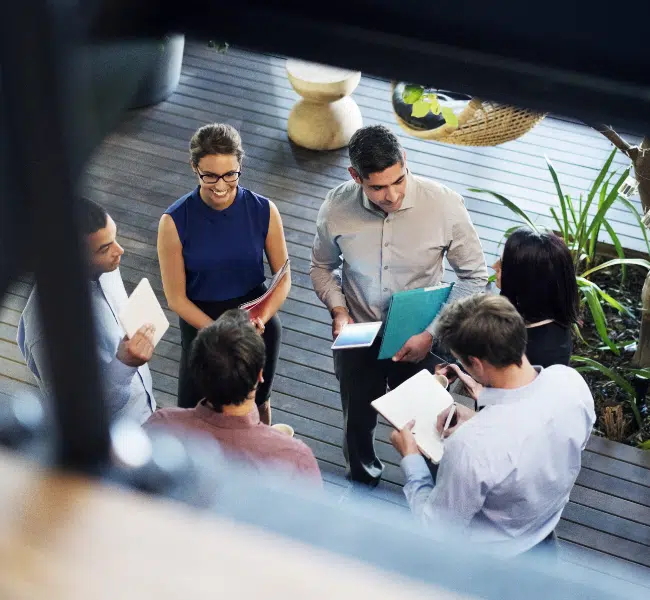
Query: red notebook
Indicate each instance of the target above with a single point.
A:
(254, 307)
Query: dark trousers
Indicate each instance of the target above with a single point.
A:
(188, 394)
(362, 379)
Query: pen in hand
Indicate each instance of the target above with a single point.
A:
(450, 418)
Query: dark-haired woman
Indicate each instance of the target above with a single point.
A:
(537, 275)
(211, 247)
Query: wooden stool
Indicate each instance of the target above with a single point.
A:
(325, 117)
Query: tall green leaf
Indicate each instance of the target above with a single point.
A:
(560, 194)
(624, 384)
(508, 204)
(564, 234)
(598, 316)
(615, 304)
(584, 210)
(604, 207)
(617, 246)
(639, 262)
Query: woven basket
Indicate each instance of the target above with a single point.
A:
(481, 124)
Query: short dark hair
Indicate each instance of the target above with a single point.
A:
(215, 138)
(373, 149)
(484, 326)
(226, 358)
(539, 278)
(92, 217)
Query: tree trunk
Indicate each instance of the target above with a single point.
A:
(641, 163)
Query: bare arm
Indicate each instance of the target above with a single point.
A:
(277, 254)
(172, 269)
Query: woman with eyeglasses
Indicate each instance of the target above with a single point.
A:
(211, 247)
(537, 275)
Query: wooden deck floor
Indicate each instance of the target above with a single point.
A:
(142, 168)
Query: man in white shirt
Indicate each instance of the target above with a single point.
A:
(508, 469)
(123, 362)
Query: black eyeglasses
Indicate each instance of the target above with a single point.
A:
(229, 177)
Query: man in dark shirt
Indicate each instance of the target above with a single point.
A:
(226, 362)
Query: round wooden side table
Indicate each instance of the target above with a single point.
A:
(325, 117)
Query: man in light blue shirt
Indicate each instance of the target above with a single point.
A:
(125, 374)
(508, 469)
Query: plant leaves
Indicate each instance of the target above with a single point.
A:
(508, 204)
(582, 282)
(644, 445)
(412, 93)
(623, 383)
(560, 195)
(617, 246)
(604, 207)
(598, 316)
(638, 219)
(420, 109)
(639, 262)
(432, 99)
(450, 116)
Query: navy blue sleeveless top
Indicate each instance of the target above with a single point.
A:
(223, 249)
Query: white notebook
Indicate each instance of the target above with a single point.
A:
(143, 307)
(421, 398)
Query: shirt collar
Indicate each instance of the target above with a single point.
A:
(493, 396)
(409, 197)
(209, 415)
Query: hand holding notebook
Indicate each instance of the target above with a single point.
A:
(254, 307)
(141, 308)
(420, 398)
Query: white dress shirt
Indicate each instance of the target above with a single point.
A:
(379, 254)
(128, 390)
(507, 473)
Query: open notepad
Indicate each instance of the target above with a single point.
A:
(421, 398)
(254, 307)
(141, 308)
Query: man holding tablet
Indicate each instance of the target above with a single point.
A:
(385, 231)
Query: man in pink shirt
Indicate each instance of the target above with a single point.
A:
(226, 362)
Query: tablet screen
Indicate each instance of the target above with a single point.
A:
(357, 335)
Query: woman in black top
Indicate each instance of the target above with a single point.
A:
(537, 275)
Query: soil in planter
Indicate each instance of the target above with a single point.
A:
(622, 329)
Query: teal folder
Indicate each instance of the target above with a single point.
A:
(409, 313)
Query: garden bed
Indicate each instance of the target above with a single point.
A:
(623, 331)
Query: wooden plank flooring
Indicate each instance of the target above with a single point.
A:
(142, 168)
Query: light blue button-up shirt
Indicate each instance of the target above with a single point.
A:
(507, 473)
(128, 389)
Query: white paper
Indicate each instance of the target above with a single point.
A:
(421, 398)
(143, 307)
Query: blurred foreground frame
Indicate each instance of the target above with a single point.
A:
(67, 72)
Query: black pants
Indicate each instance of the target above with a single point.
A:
(188, 395)
(362, 379)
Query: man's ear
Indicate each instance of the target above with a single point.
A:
(475, 364)
(355, 175)
(260, 377)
